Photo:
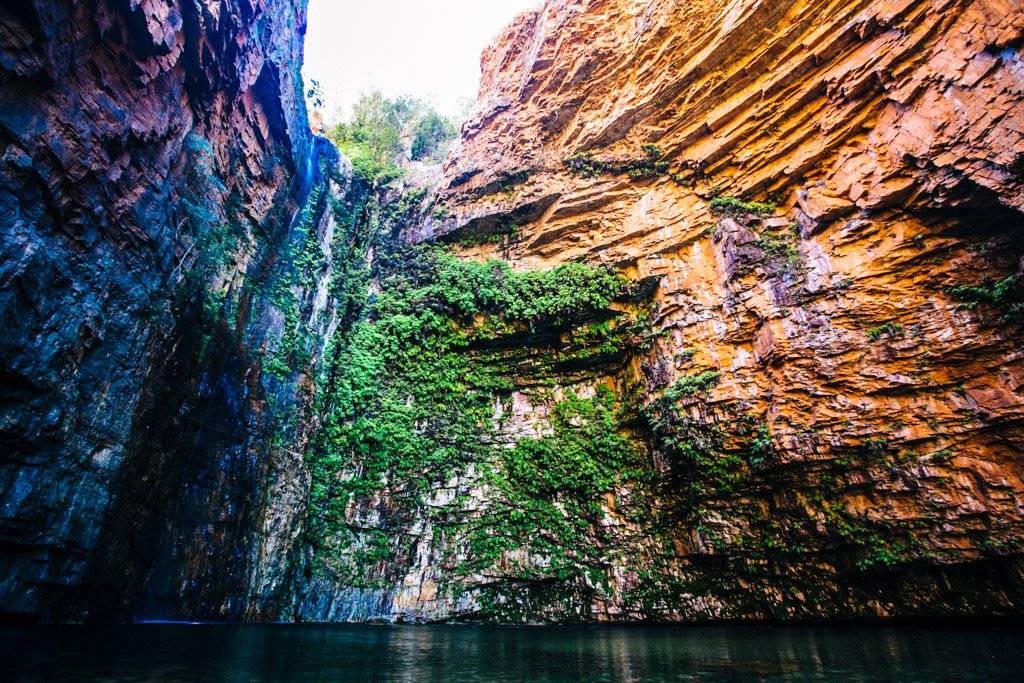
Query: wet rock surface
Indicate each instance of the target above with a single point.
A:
(134, 443)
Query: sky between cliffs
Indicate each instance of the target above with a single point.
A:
(429, 49)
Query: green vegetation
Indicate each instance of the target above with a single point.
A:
(372, 138)
(1006, 296)
(685, 355)
(303, 266)
(431, 136)
(734, 207)
(584, 164)
(681, 180)
(410, 392)
(690, 386)
(549, 490)
(650, 165)
(882, 544)
(890, 329)
(781, 247)
(761, 448)
(697, 446)
(419, 424)
(208, 214)
(206, 209)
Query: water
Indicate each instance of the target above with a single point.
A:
(406, 653)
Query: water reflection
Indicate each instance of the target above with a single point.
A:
(465, 654)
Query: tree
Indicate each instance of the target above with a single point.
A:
(372, 138)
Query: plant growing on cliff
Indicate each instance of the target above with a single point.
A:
(1005, 296)
(410, 396)
(303, 264)
(689, 386)
(584, 164)
(649, 165)
(761, 447)
(781, 248)
(890, 329)
(372, 138)
(432, 134)
(206, 206)
(731, 206)
(550, 488)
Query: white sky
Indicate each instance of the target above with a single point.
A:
(425, 48)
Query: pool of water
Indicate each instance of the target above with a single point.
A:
(250, 653)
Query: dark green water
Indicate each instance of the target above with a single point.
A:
(161, 652)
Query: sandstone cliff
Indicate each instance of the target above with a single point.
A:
(828, 196)
(715, 315)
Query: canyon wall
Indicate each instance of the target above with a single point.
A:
(823, 203)
(867, 321)
(155, 156)
(714, 315)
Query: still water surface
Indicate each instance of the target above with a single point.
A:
(164, 652)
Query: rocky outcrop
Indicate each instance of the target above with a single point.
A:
(829, 198)
(154, 155)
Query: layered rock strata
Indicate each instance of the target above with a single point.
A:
(859, 305)
(747, 346)
(154, 155)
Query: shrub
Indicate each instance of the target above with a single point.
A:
(1005, 295)
(584, 164)
(689, 386)
(889, 329)
(738, 208)
(648, 166)
(372, 139)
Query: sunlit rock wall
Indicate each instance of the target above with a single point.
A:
(860, 454)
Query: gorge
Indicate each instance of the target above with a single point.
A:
(713, 312)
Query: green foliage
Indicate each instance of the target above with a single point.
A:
(1006, 296)
(407, 400)
(761, 446)
(567, 292)
(205, 208)
(550, 489)
(650, 165)
(584, 164)
(882, 544)
(890, 329)
(303, 265)
(372, 138)
(735, 207)
(432, 134)
(685, 355)
(689, 386)
(315, 94)
(681, 180)
(696, 447)
(781, 247)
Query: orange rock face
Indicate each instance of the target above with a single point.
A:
(865, 321)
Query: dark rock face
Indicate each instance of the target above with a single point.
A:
(132, 418)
